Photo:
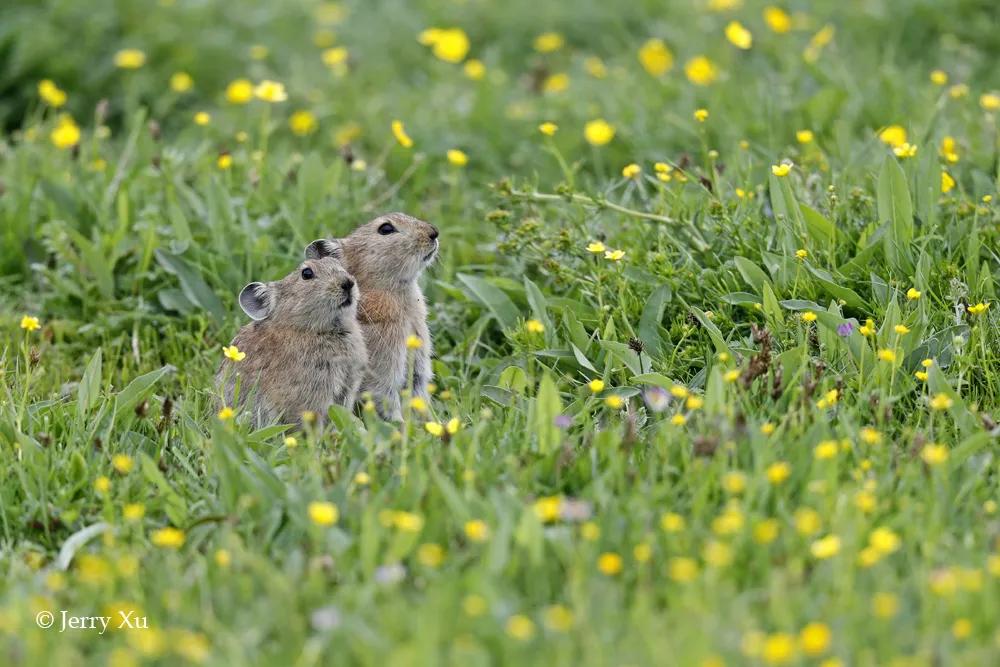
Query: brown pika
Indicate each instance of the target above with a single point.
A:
(304, 349)
(386, 256)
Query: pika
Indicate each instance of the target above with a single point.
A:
(386, 256)
(304, 350)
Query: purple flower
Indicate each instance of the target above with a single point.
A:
(656, 399)
(845, 329)
(563, 421)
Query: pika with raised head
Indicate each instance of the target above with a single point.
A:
(304, 350)
(386, 256)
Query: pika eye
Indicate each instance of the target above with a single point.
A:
(307, 274)
(386, 228)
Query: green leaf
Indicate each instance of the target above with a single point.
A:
(850, 298)
(494, 298)
(138, 389)
(752, 274)
(895, 211)
(822, 231)
(655, 379)
(90, 386)
(539, 307)
(544, 410)
(192, 284)
(713, 331)
(652, 315)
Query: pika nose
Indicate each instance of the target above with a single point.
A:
(433, 233)
(347, 285)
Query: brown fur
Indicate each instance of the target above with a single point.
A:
(305, 352)
(392, 307)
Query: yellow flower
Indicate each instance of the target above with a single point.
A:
(989, 101)
(451, 45)
(614, 402)
(202, 118)
(731, 375)
(335, 57)
(558, 618)
(920, 375)
(270, 91)
(29, 323)
(548, 42)
(815, 639)
(781, 170)
(477, 530)
(949, 149)
(556, 83)
(979, 308)
(718, 554)
(323, 513)
(694, 403)
(133, 511)
(609, 563)
(947, 182)
(961, 628)
(51, 94)
(934, 454)
(905, 150)
(596, 247)
(671, 522)
(596, 386)
(595, 67)
(941, 401)
(614, 255)
(123, 463)
(290, 442)
(778, 649)
(767, 428)
(302, 123)
(631, 170)
(887, 355)
(766, 531)
(430, 554)
(239, 91)
(826, 449)
(598, 132)
(224, 161)
(434, 428)
(457, 157)
(778, 472)
(399, 132)
(66, 133)
(901, 329)
(734, 482)
(682, 569)
(913, 294)
(738, 35)
(679, 391)
(807, 521)
(102, 485)
(474, 605)
(893, 135)
(939, 77)
(226, 413)
(590, 531)
(958, 90)
(825, 547)
(678, 420)
(884, 541)
(130, 59)
(701, 71)
(418, 404)
(701, 115)
(808, 316)
(547, 509)
(520, 627)
(474, 69)
(181, 82)
(655, 57)
(232, 352)
(548, 128)
(168, 538)
(777, 19)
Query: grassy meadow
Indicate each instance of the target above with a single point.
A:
(715, 319)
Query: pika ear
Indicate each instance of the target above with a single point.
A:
(256, 301)
(325, 248)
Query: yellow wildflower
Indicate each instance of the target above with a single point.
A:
(655, 57)
(548, 42)
(701, 71)
(894, 135)
(399, 132)
(474, 69)
(598, 132)
(181, 82)
(451, 45)
(781, 170)
(270, 91)
(302, 123)
(239, 91)
(609, 564)
(323, 513)
(825, 547)
(738, 35)
(548, 128)
(477, 530)
(51, 93)
(66, 133)
(168, 538)
(457, 157)
(777, 19)
(130, 59)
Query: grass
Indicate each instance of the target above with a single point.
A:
(765, 472)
